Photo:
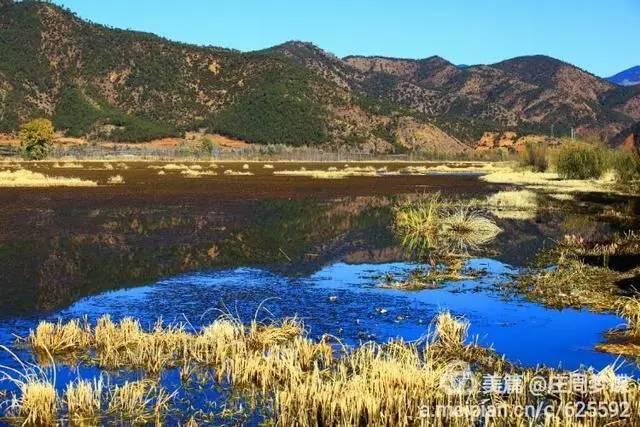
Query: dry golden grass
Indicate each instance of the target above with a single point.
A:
(451, 331)
(453, 168)
(60, 338)
(38, 404)
(550, 182)
(571, 283)
(138, 402)
(83, 401)
(116, 179)
(331, 173)
(190, 173)
(176, 167)
(68, 165)
(231, 172)
(521, 205)
(523, 199)
(26, 178)
(629, 309)
(307, 383)
(562, 197)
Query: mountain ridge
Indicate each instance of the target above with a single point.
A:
(628, 77)
(101, 82)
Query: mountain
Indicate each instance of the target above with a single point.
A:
(120, 85)
(528, 93)
(628, 77)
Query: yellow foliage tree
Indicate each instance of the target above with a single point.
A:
(35, 138)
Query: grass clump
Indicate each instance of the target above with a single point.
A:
(38, 403)
(436, 226)
(231, 172)
(83, 400)
(450, 331)
(626, 166)
(331, 173)
(60, 338)
(419, 279)
(116, 179)
(571, 283)
(138, 402)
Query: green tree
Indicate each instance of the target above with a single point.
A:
(35, 138)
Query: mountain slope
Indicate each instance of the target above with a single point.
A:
(627, 77)
(526, 93)
(131, 86)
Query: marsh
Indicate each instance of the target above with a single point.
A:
(273, 246)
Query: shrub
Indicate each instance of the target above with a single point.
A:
(207, 146)
(581, 161)
(35, 138)
(535, 155)
(626, 166)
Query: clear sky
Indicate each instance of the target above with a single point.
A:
(600, 36)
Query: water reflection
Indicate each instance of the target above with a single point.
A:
(57, 246)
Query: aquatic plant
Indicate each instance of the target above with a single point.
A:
(548, 181)
(36, 401)
(331, 173)
(138, 402)
(450, 331)
(307, 383)
(60, 338)
(190, 173)
(522, 199)
(570, 283)
(231, 172)
(629, 309)
(83, 400)
(68, 165)
(433, 225)
(465, 229)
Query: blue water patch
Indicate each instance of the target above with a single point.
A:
(344, 300)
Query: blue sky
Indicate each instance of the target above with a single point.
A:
(601, 37)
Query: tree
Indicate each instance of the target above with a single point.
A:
(35, 138)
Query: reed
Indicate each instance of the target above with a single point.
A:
(60, 338)
(629, 309)
(138, 402)
(450, 331)
(83, 401)
(308, 383)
